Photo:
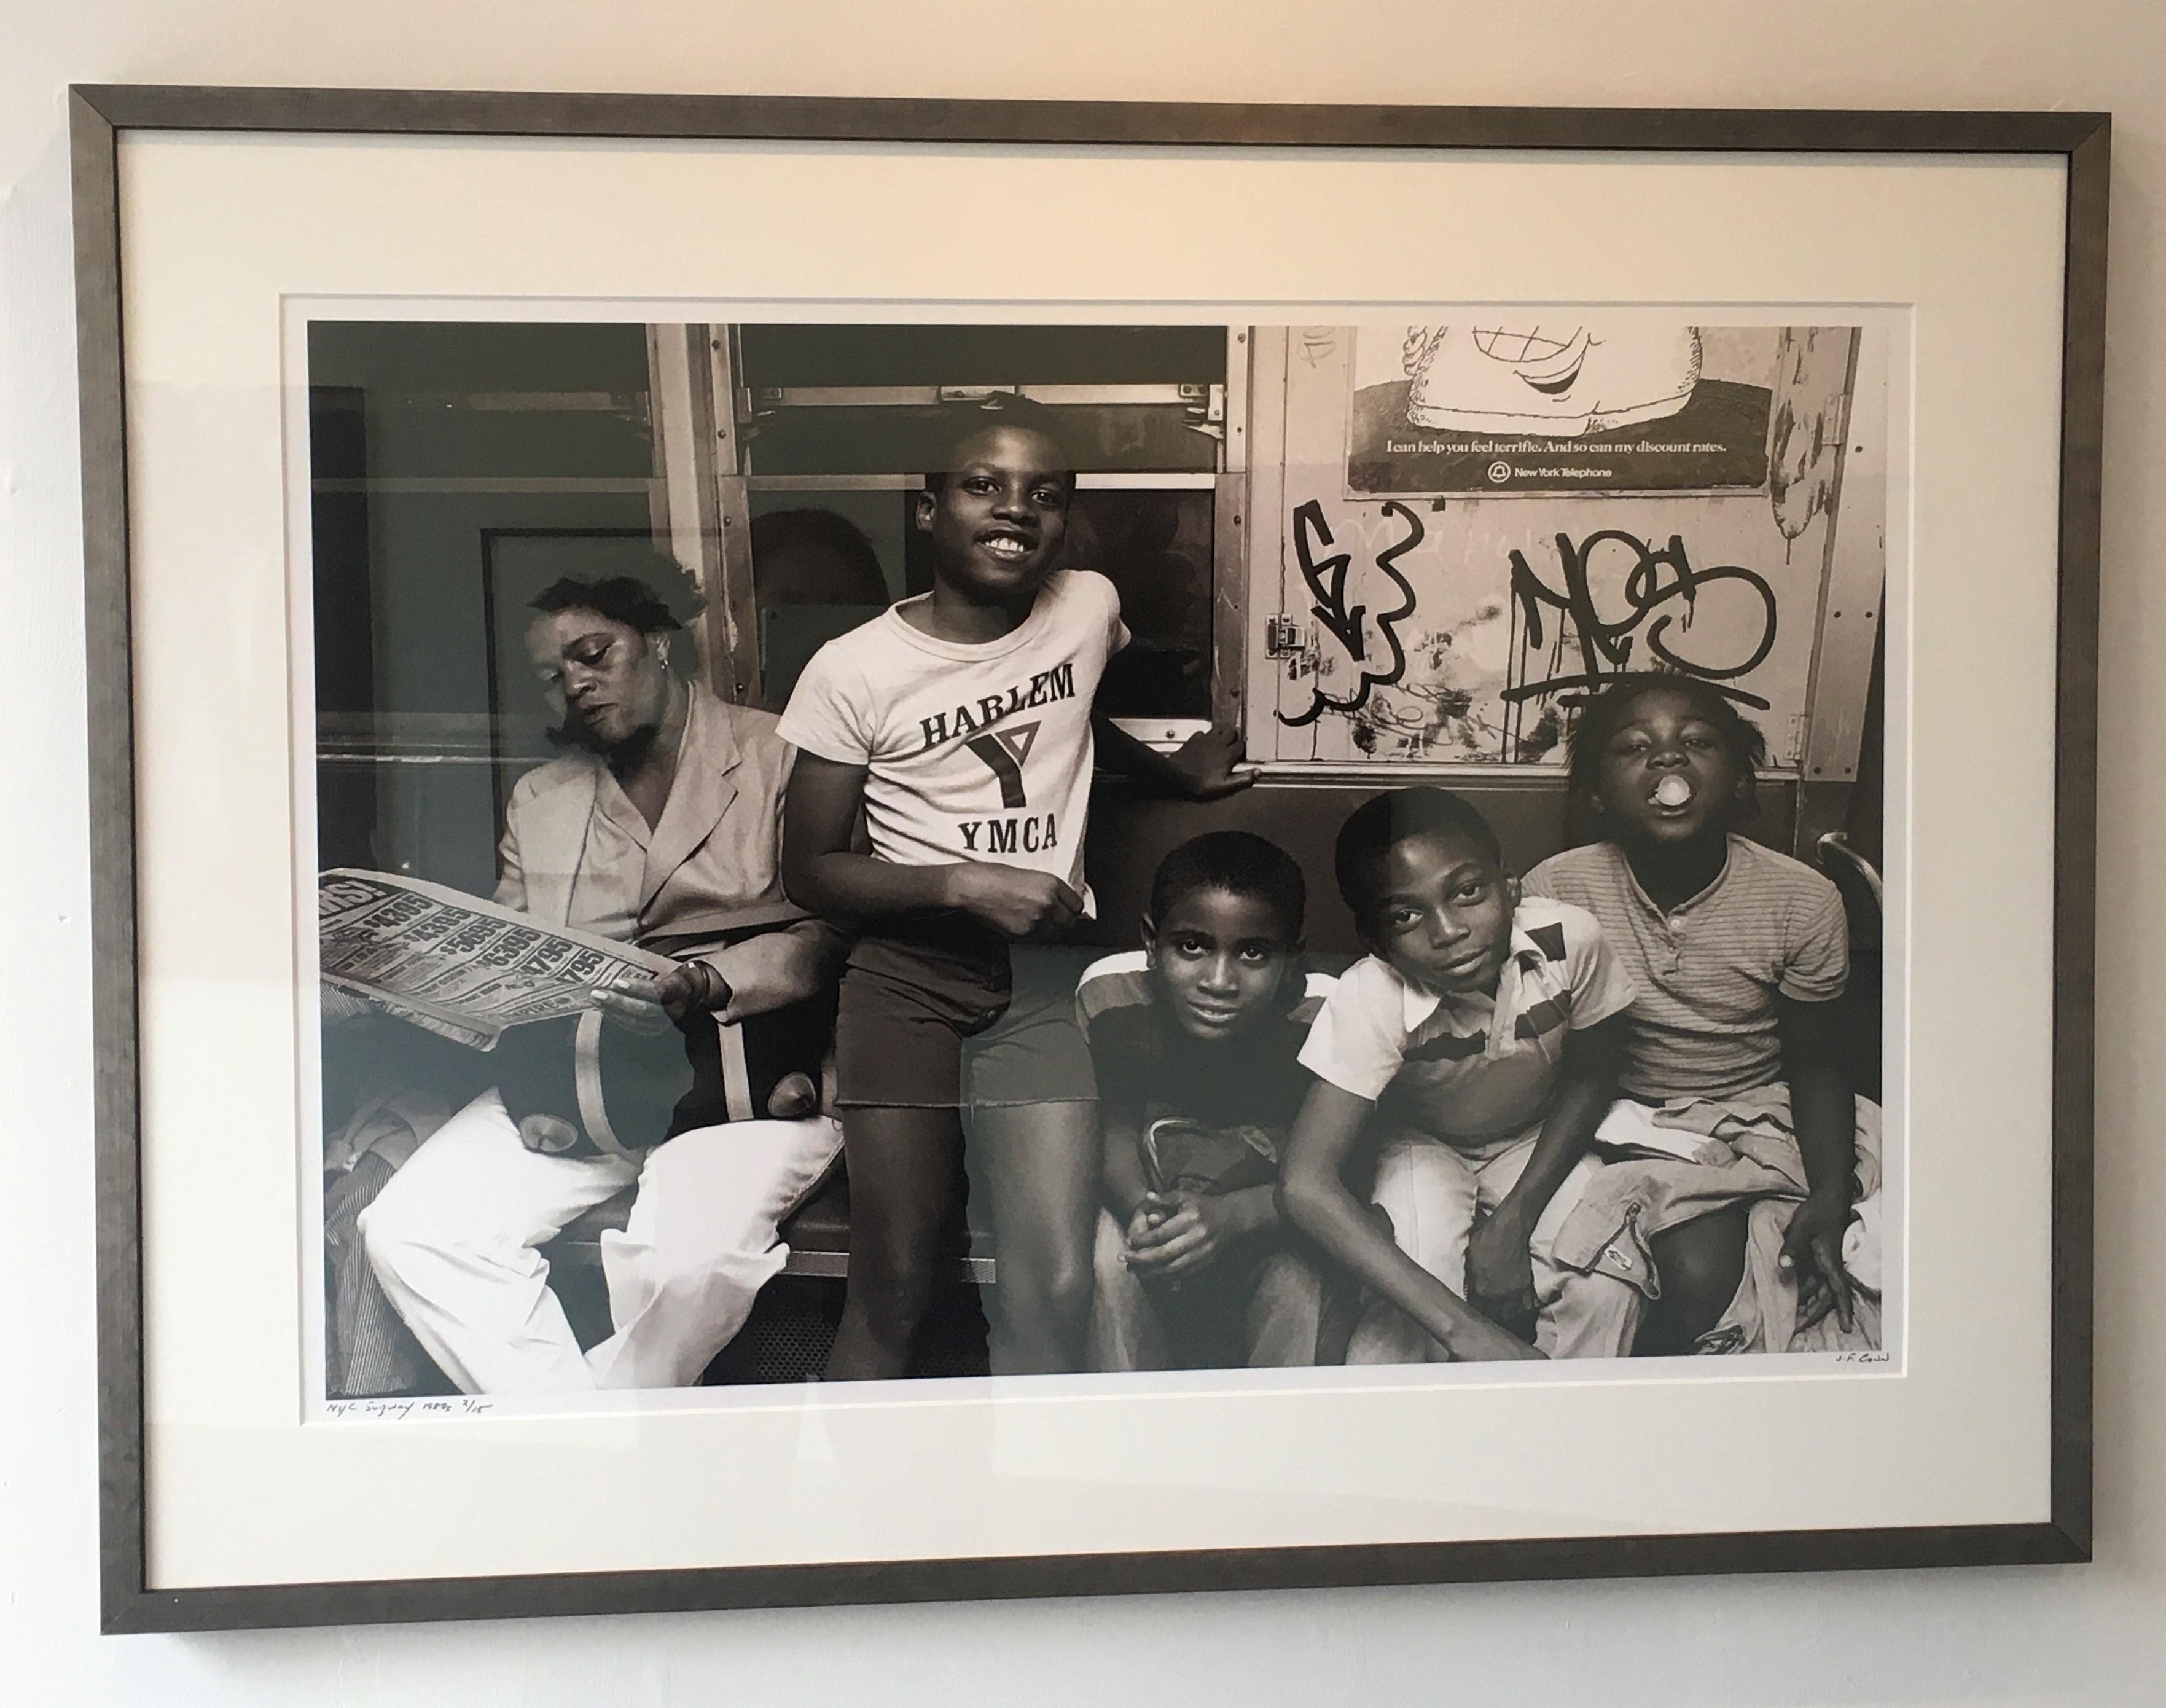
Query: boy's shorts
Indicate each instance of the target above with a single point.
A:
(944, 1013)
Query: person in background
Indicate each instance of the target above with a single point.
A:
(815, 575)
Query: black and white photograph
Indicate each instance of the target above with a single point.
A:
(856, 851)
(784, 920)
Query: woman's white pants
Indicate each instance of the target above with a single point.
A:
(453, 1239)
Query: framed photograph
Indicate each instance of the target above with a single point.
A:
(870, 850)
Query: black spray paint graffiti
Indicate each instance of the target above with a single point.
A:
(1655, 580)
(1326, 583)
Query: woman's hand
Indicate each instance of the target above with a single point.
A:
(1016, 902)
(653, 1006)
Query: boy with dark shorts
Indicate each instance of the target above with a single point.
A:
(1194, 1039)
(961, 724)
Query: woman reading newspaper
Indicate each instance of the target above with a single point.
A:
(662, 811)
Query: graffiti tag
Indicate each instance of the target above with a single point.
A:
(1326, 583)
(1653, 587)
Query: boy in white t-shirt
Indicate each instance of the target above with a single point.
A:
(960, 723)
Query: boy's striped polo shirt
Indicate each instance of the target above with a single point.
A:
(1472, 1070)
(1149, 1070)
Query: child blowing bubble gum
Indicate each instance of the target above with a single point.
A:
(1473, 1054)
(1729, 1069)
(960, 724)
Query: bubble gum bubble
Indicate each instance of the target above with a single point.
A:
(1672, 791)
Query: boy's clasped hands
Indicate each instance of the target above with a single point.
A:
(1175, 1233)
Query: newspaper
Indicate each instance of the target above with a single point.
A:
(464, 968)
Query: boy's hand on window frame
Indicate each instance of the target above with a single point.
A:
(1206, 761)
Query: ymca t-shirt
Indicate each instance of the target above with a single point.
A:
(971, 752)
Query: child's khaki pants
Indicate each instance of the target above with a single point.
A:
(1432, 1191)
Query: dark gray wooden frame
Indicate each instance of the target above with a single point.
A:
(98, 114)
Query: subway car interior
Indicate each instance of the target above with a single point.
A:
(1361, 628)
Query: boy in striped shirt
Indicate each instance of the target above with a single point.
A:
(1473, 1055)
(1194, 1040)
(1730, 1070)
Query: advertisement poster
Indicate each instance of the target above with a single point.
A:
(1529, 401)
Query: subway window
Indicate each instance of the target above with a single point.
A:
(1389, 544)
(794, 456)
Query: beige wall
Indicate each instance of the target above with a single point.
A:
(2084, 1634)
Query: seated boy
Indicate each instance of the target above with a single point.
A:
(1474, 1051)
(1194, 1040)
(1753, 1195)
